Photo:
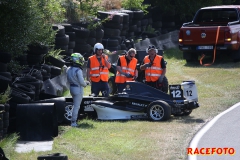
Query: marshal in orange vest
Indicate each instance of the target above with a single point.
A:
(98, 72)
(155, 71)
(126, 68)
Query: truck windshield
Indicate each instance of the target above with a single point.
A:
(216, 15)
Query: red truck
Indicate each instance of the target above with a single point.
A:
(214, 30)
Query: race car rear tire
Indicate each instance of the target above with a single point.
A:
(112, 85)
(159, 111)
(165, 85)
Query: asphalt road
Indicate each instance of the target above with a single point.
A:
(219, 139)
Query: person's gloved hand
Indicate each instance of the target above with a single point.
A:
(148, 64)
(128, 75)
(160, 79)
(135, 77)
(88, 83)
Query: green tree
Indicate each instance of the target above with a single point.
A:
(72, 11)
(135, 5)
(27, 22)
(81, 10)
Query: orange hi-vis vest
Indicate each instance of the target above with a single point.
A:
(155, 71)
(98, 71)
(126, 68)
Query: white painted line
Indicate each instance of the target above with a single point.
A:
(202, 131)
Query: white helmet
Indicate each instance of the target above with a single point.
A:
(97, 46)
(150, 48)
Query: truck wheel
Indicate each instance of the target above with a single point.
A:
(236, 56)
(159, 111)
(190, 56)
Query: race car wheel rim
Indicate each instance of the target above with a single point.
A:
(68, 112)
(157, 112)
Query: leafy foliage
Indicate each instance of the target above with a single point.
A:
(5, 97)
(149, 29)
(27, 22)
(8, 144)
(135, 5)
(89, 8)
(72, 11)
(14, 67)
(79, 10)
(17, 22)
(56, 54)
(52, 11)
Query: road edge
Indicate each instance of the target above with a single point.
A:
(205, 128)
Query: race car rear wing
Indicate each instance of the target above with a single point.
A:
(187, 90)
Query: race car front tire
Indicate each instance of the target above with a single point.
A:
(159, 111)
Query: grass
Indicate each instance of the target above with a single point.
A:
(140, 140)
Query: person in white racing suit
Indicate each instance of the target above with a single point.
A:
(76, 81)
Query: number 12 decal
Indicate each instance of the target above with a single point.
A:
(189, 92)
(176, 93)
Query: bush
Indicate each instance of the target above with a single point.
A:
(135, 5)
(27, 22)
(5, 97)
(81, 9)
